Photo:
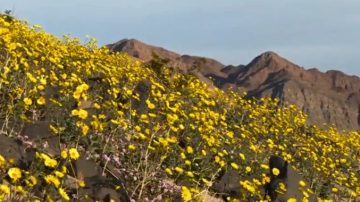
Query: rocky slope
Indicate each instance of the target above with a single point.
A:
(201, 66)
(331, 97)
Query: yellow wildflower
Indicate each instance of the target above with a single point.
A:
(75, 112)
(190, 174)
(137, 128)
(54, 129)
(42, 156)
(85, 129)
(179, 170)
(264, 166)
(150, 105)
(74, 154)
(275, 171)
(49, 162)
(4, 189)
(97, 106)
(230, 134)
(248, 169)
(27, 101)
(83, 114)
(59, 174)
(14, 173)
(43, 81)
(81, 183)
(132, 147)
(168, 171)
(2, 161)
(189, 150)
(234, 165)
(40, 100)
(242, 156)
(64, 169)
(185, 194)
(31, 181)
(63, 194)
(302, 183)
(51, 179)
(206, 182)
(64, 154)
(20, 190)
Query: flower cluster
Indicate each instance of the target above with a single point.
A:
(155, 125)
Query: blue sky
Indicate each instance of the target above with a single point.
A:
(323, 33)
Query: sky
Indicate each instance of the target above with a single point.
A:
(323, 34)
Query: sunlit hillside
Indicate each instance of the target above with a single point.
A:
(152, 132)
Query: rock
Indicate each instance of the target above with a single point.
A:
(39, 133)
(104, 189)
(289, 178)
(18, 152)
(86, 168)
(11, 149)
(143, 89)
(97, 186)
(228, 185)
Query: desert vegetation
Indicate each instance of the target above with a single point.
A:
(169, 135)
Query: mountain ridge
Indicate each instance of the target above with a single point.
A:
(331, 97)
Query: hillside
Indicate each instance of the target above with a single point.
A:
(200, 66)
(329, 98)
(84, 123)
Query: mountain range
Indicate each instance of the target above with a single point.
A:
(330, 97)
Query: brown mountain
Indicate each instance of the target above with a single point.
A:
(331, 97)
(184, 63)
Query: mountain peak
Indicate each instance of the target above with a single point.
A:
(269, 54)
(271, 62)
(184, 63)
(269, 57)
(126, 44)
(141, 50)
